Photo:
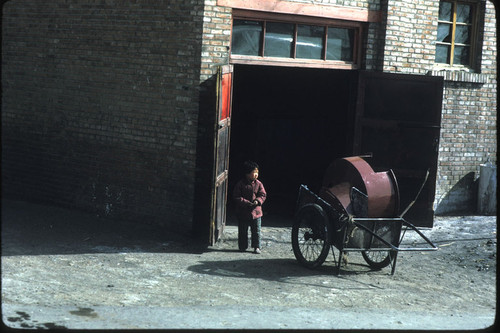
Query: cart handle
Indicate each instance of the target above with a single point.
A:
(418, 194)
(432, 247)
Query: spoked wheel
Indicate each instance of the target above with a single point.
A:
(378, 259)
(310, 241)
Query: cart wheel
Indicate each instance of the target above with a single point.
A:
(310, 236)
(378, 259)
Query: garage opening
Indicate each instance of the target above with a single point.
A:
(293, 122)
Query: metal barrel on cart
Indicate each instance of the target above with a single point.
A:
(356, 210)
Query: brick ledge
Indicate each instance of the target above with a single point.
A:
(460, 76)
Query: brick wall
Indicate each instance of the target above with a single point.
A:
(374, 39)
(216, 38)
(108, 105)
(411, 32)
(404, 42)
(100, 105)
(214, 53)
(468, 134)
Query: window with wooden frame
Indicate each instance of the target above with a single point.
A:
(456, 36)
(295, 41)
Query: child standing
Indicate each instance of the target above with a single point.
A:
(249, 194)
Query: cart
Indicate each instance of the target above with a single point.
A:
(356, 210)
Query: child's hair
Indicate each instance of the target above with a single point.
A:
(249, 166)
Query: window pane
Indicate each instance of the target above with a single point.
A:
(462, 34)
(442, 54)
(339, 44)
(279, 39)
(464, 13)
(246, 37)
(456, 20)
(461, 55)
(444, 33)
(309, 42)
(445, 11)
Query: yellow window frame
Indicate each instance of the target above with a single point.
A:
(454, 24)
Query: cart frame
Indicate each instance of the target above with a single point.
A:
(375, 234)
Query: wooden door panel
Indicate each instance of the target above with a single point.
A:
(398, 119)
(221, 153)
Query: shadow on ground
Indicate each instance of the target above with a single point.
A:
(276, 269)
(31, 229)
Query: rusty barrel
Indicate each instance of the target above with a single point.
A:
(381, 188)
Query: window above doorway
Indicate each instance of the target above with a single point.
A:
(286, 40)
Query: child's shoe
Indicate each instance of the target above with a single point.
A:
(256, 251)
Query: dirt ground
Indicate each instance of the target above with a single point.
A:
(459, 277)
(67, 269)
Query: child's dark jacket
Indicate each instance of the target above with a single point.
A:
(245, 193)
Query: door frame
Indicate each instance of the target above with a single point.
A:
(222, 130)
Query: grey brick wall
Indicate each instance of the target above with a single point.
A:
(404, 42)
(108, 106)
(468, 134)
(411, 32)
(100, 105)
(216, 38)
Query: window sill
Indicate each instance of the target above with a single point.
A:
(458, 75)
(274, 61)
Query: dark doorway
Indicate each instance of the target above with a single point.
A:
(293, 122)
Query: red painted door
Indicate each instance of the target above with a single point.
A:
(221, 152)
